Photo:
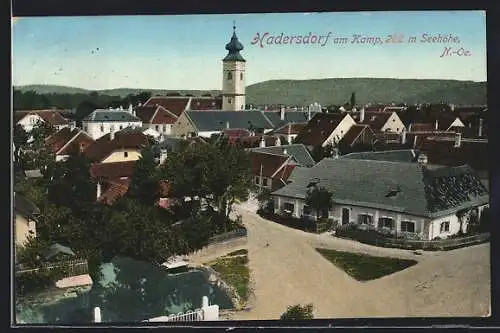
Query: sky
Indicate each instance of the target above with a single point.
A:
(186, 51)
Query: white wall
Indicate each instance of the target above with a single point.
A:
(93, 128)
(233, 86)
(208, 134)
(29, 121)
(393, 124)
(435, 225)
(165, 129)
(343, 127)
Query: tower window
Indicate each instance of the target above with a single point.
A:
(241, 76)
(229, 76)
(229, 100)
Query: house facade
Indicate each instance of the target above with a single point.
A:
(63, 141)
(25, 219)
(157, 118)
(390, 195)
(102, 122)
(30, 119)
(325, 129)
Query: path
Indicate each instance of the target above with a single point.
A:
(289, 271)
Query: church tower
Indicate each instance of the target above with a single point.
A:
(233, 76)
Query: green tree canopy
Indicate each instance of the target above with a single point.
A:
(145, 180)
(298, 312)
(319, 199)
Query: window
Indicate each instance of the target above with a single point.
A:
(386, 222)
(85, 128)
(257, 180)
(102, 128)
(164, 128)
(157, 127)
(229, 100)
(365, 219)
(445, 227)
(229, 76)
(407, 226)
(242, 107)
(264, 182)
(241, 76)
(125, 154)
(288, 208)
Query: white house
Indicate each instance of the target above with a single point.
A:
(156, 118)
(102, 122)
(402, 197)
(30, 119)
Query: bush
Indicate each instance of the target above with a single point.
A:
(298, 312)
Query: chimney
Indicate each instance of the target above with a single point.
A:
(452, 107)
(112, 134)
(422, 159)
(262, 142)
(163, 156)
(458, 139)
(227, 124)
(362, 115)
(403, 136)
(308, 115)
(436, 125)
(131, 108)
(99, 190)
(97, 315)
(282, 113)
(480, 130)
(121, 108)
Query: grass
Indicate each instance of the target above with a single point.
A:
(234, 270)
(363, 267)
(237, 253)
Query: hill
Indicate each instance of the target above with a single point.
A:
(324, 91)
(374, 90)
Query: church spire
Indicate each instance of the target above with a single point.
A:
(234, 47)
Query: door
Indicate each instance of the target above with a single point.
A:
(345, 215)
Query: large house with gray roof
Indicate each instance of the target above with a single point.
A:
(102, 121)
(427, 201)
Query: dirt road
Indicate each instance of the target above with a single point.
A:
(287, 270)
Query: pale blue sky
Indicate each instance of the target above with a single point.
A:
(185, 52)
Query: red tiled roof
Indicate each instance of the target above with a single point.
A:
(254, 140)
(53, 117)
(117, 189)
(422, 127)
(206, 103)
(443, 152)
(163, 116)
(103, 147)
(146, 112)
(173, 104)
(352, 135)
(57, 140)
(112, 171)
(291, 128)
(319, 128)
(82, 140)
(236, 132)
(286, 171)
(376, 120)
(270, 163)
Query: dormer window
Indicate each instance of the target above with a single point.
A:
(229, 76)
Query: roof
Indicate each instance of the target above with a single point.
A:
(417, 190)
(298, 151)
(442, 151)
(53, 117)
(125, 139)
(155, 115)
(286, 171)
(253, 141)
(234, 47)
(103, 115)
(354, 133)
(24, 206)
(174, 104)
(290, 128)
(404, 155)
(270, 163)
(319, 128)
(112, 171)
(117, 189)
(422, 127)
(58, 249)
(376, 120)
(62, 141)
(235, 132)
(205, 103)
(218, 120)
(289, 117)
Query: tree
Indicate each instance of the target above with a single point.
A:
(319, 199)
(85, 108)
(145, 185)
(353, 100)
(298, 312)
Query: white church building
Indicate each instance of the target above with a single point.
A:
(104, 121)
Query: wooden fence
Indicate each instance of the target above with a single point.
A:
(228, 236)
(430, 245)
(71, 267)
